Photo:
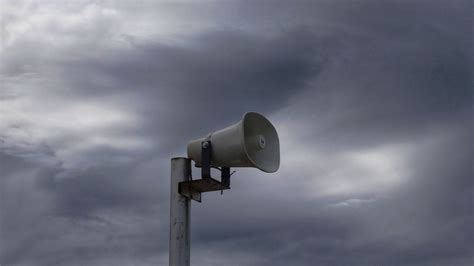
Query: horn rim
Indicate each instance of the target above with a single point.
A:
(242, 129)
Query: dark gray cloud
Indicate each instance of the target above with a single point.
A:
(372, 101)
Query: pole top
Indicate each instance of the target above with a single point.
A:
(179, 158)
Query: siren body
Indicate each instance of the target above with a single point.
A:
(252, 142)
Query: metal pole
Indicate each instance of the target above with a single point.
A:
(179, 214)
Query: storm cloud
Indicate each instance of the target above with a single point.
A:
(372, 101)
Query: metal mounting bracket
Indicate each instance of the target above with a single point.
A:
(192, 189)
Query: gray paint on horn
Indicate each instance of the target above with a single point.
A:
(252, 142)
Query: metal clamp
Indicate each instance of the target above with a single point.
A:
(192, 189)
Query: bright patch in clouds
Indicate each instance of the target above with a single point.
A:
(72, 128)
(56, 25)
(372, 172)
(369, 171)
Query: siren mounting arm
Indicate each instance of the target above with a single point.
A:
(192, 189)
(206, 157)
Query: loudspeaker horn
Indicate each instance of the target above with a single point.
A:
(252, 142)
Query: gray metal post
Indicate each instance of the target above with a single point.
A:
(179, 214)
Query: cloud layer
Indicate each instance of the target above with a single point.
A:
(372, 102)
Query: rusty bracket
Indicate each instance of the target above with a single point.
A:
(192, 189)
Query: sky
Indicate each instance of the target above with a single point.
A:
(372, 101)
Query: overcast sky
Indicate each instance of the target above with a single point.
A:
(372, 101)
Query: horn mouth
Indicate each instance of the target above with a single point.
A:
(261, 143)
